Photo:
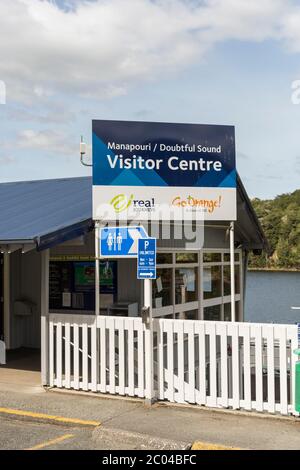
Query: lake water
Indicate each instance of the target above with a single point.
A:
(270, 295)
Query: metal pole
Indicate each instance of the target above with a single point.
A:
(232, 276)
(6, 298)
(44, 286)
(149, 343)
(97, 270)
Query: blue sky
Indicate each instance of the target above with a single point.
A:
(211, 61)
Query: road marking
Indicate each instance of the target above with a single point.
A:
(198, 445)
(60, 419)
(51, 442)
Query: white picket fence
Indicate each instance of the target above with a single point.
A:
(217, 364)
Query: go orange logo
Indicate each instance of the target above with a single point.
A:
(120, 202)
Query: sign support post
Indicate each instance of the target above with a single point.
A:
(97, 270)
(232, 273)
(149, 343)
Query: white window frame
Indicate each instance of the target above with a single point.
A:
(201, 303)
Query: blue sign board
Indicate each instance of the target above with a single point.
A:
(128, 153)
(120, 242)
(146, 267)
(189, 168)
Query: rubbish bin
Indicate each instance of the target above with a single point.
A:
(297, 381)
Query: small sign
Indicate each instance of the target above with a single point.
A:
(146, 267)
(120, 242)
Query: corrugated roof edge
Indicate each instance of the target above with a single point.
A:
(47, 179)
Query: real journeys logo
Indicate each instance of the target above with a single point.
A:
(121, 203)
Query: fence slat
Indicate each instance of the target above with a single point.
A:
(121, 356)
(224, 368)
(202, 365)
(67, 355)
(258, 368)
(235, 367)
(102, 325)
(76, 356)
(294, 359)
(112, 354)
(247, 366)
(59, 354)
(180, 353)
(140, 366)
(94, 358)
(51, 354)
(160, 356)
(212, 365)
(85, 357)
(283, 371)
(191, 362)
(129, 326)
(170, 361)
(271, 370)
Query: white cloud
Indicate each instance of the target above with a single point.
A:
(99, 48)
(7, 159)
(48, 141)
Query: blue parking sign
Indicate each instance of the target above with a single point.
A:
(146, 267)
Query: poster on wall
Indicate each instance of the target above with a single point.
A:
(163, 171)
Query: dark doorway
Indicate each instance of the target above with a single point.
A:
(1, 299)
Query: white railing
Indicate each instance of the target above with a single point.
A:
(104, 354)
(217, 364)
(222, 364)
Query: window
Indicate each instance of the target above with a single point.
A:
(227, 257)
(164, 258)
(212, 257)
(212, 313)
(212, 281)
(226, 274)
(186, 282)
(162, 288)
(186, 257)
(189, 315)
(227, 311)
(72, 283)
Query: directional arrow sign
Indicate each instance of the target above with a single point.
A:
(120, 242)
(146, 267)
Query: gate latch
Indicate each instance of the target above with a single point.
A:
(146, 316)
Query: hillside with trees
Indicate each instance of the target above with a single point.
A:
(280, 219)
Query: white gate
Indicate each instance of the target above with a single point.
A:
(218, 364)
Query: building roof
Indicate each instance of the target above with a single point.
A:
(45, 212)
(48, 212)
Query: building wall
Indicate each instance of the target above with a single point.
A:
(25, 280)
(25, 285)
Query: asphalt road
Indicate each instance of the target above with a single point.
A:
(23, 435)
(119, 419)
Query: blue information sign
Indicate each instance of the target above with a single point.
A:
(163, 170)
(146, 267)
(121, 242)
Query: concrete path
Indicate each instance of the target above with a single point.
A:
(173, 426)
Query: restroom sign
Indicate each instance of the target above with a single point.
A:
(121, 242)
(146, 266)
